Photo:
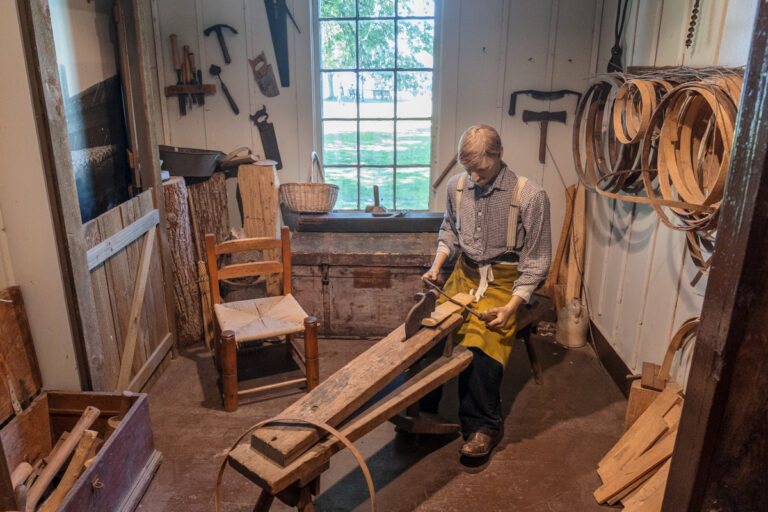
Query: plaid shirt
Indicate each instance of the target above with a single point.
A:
(484, 216)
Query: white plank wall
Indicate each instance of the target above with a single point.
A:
(638, 272)
(486, 50)
(491, 48)
(215, 126)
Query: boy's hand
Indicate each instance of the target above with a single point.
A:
(431, 274)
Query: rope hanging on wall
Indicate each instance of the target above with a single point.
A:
(615, 65)
(668, 134)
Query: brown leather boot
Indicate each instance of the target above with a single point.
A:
(479, 445)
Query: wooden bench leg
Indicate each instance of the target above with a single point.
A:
(264, 503)
(311, 353)
(305, 500)
(525, 335)
(229, 370)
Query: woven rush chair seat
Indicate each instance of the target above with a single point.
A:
(257, 319)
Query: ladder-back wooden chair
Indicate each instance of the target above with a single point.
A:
(258, 319)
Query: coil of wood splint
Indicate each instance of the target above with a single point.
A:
(667, 134)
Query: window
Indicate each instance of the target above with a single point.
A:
(376, 69)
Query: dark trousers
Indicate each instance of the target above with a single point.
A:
(479, 396)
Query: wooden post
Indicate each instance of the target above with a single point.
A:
(229, 370)
(719, 458)
(184, 268)
(311, 352)
(285, 236)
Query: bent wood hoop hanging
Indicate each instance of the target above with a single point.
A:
(666, 133)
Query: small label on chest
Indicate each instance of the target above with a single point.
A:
(372, 278)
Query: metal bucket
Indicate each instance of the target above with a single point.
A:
(189, 162)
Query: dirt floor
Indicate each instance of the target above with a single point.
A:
(554, 435)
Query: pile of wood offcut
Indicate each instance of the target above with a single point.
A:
(634, 472)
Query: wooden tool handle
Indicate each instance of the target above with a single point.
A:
(72, 473)
(445, 172)
(543, 141)
(20, 474)
(192, 66)
(185, 64)
(60, 457)
(175, 51)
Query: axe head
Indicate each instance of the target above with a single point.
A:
(529, 115)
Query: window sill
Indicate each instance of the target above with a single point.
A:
(361, 222)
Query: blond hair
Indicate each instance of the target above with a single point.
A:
(479, 147)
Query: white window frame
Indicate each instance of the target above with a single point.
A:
(317, 95)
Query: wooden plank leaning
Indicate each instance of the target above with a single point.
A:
(136, 305)
(348, 389)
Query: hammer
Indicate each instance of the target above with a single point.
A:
(543, 118)
(222, 43)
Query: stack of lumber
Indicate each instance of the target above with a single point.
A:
(654, 378)
(634, 472)
(564, 281)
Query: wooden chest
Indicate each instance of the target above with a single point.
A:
(359, 284)
(121, 470)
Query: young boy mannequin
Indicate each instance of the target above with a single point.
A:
(500, 266)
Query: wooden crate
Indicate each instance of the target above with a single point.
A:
(359, 284)
(125, 464)
(121, 471)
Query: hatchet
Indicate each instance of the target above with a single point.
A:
(543, 118)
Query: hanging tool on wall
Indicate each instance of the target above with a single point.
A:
(188, 78)
(277, 14)
(220, 36)
(216, 71)
(541, 96)
(692, 24)
(543, 118)
(264, 76)
(177, 67)
(196, 79)
(268, 138)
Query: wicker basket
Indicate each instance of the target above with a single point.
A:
(310, 197)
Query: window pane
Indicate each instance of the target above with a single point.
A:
(413, 188)
(381, 176)
(377, 96)
(339, 142)
(337, 8)
(377, 44)
(414, 94)
(376, 143)
(413, 142)
(346, 179)
(376, 8)
(415, 8)
(339, 91)
(337, 42)
(415, 43)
